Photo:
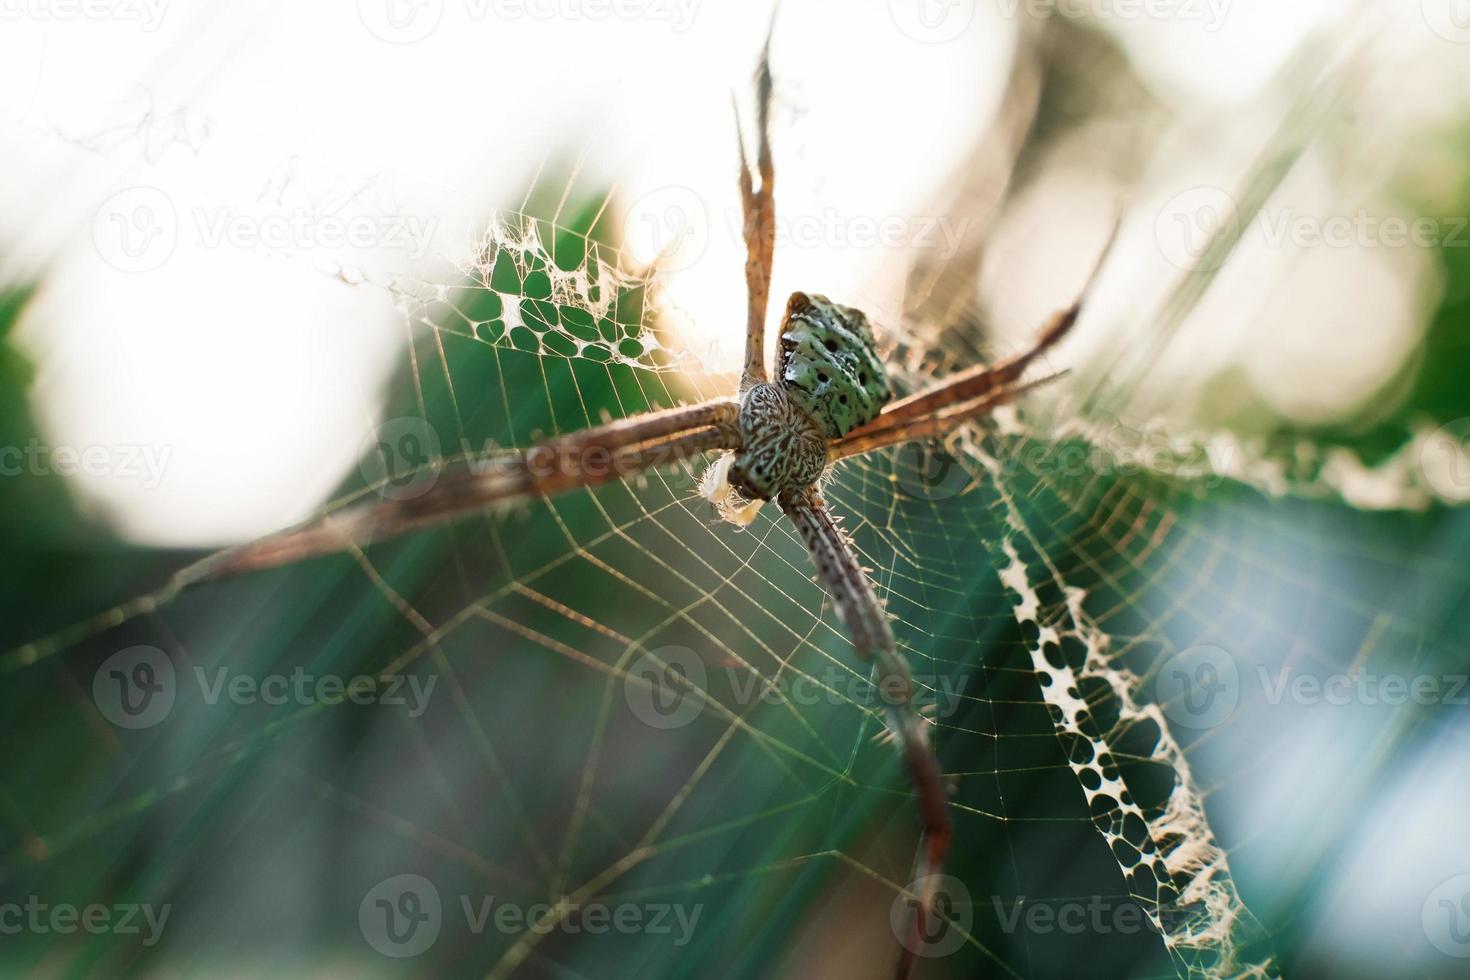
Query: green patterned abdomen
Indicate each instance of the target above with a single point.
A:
(829, 366)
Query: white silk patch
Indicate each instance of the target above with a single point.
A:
(715, 487)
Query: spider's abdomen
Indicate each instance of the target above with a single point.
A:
(829, 365)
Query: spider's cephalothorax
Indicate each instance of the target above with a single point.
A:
(781, 445)
(829, 381)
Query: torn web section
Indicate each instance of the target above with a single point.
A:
(541, 287)
(1136, 779)
(1163, 609)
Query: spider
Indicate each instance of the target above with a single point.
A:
(826, 398)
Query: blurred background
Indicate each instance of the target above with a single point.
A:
(245, 276)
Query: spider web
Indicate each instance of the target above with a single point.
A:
(1041, 604)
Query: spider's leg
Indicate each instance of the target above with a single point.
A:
(867, 623)
(981, 381)
(758, 209)
(582, 459)
(978, 381)
(935, 425)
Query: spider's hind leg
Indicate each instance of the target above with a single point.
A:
(866, 622)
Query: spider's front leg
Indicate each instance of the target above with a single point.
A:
(866, 622)
(758, 209)
(587, 458)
